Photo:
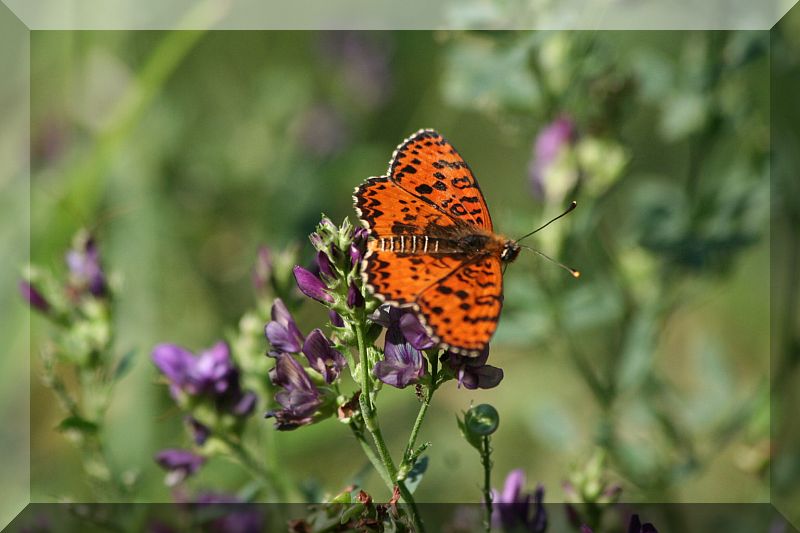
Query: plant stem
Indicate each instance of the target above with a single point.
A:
(371, 423)
(373, 458)
(244, 457)
(423, 409)
(486, 461)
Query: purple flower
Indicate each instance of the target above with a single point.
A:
(473, 372)
(322, 357)
(299, 398)
(200, 432)
(311, 285)
(336, 319)
(324, 264)
(513, 506)
(282, 332)
(549, 143)
(402, 364)
(211, 374)
(262, 271)
(354, 297)
(212, 371)
(244, 404)
(358, 247)
(415, 332)
(179, 464)
(86, 273)
(406, 323)
(33, 297)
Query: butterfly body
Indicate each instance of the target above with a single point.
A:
(432, 246)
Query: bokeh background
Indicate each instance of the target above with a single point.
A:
(185, 151)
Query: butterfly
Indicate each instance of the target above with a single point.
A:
(432, 244)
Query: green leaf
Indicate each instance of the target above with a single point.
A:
(77, 423)
(415, 475)
(124, 365)
(637, 355)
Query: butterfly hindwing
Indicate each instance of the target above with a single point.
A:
(462, 308)
(402, 278)
(427, 166)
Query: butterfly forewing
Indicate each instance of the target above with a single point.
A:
(427, 166)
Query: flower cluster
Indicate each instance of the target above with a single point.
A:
(304, 395)
(207, 386)
(85, 286)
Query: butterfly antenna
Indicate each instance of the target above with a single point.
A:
(572, 271)
(572, 206)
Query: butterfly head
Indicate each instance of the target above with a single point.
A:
(510, 251)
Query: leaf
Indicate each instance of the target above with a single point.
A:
(77, 423)
(637, 355)
(482, 74)
(124, 365)
(415, 475)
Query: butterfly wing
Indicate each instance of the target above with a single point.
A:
(428, 167)
(461, 310)
(389, 210)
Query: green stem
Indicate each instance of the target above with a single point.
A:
(371, 423)
(423, 409)
(373, 458)
(486, 461)
(241, 455)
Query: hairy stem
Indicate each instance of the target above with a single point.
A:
(423, 409)
(371, 423)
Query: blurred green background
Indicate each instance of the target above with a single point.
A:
(185, 151)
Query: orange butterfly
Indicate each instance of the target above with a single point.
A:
(432, 245)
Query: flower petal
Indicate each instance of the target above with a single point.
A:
(311, 285)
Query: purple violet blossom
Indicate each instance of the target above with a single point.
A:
(33, 297)
(336, 319)
(402, 364)
(513, 506)
(85, 271)
(473, 372)
(358, 247)
(211, 374)
(406, 322)
(200, 432)
(322, 356)
(282, 332)
(179, 464)
(299, 398)
(311, 285)
(324, 264)
(355, 299)
(548, 145)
